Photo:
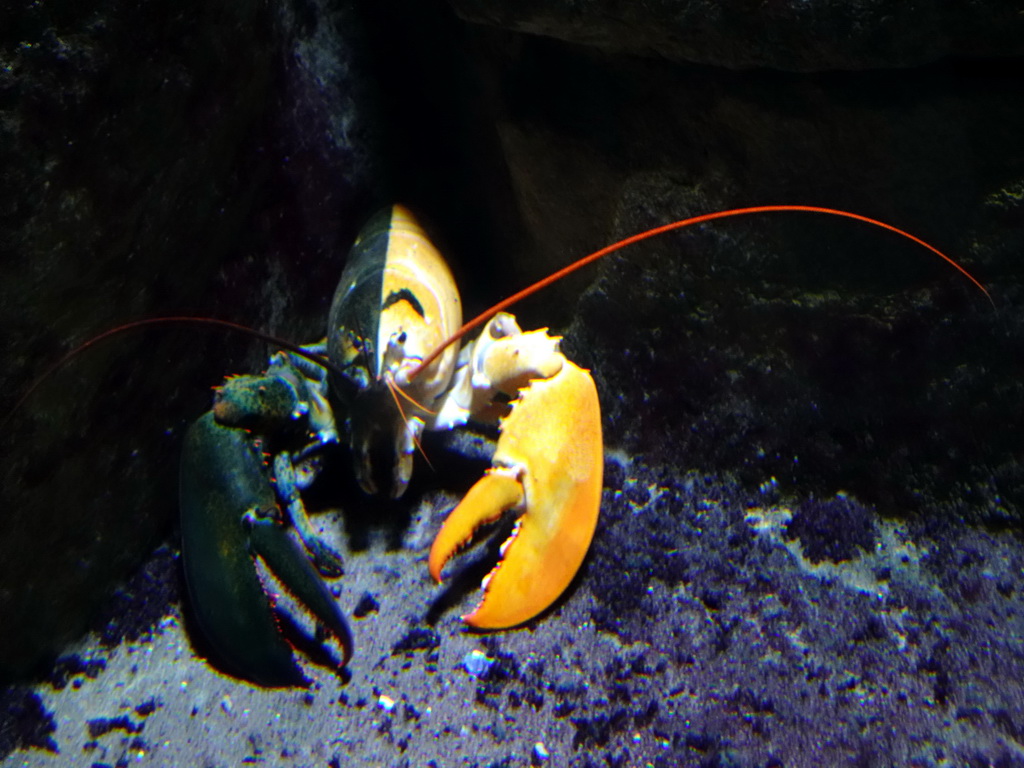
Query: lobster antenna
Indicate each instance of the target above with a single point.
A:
(540, 285)
(179, 320)
(396, 391)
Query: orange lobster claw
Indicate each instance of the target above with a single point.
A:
(548, 464)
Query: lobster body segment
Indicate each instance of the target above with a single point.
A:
(395, 303)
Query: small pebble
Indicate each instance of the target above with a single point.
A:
(540, 753)
(477, 663)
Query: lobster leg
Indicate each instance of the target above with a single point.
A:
(327, 561)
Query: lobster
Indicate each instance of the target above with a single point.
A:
(395, 303)
(391, 361)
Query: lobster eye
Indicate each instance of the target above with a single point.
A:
(401, 338)
(500, 327)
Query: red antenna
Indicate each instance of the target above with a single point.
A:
(204, 322)
(540, 285)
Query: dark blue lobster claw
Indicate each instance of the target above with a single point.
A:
(229, 514)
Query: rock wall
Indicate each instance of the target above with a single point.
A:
(793, 35)
(208, 159)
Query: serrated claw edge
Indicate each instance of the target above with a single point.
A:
(549, 461)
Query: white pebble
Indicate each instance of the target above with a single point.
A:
(477, 663)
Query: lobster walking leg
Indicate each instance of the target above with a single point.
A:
(289, 487)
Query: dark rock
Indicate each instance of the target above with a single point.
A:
(24, 722)
(799, 35)
(67, 667)
(136, 607)
(147, 708)
(789, 663)
(367, 604)
(833, 529)
(417, 639)
(101, 726)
